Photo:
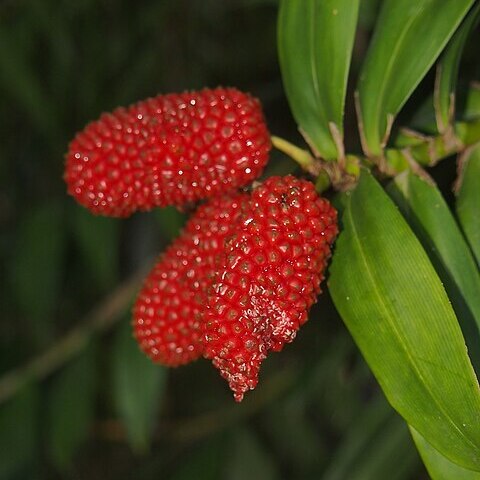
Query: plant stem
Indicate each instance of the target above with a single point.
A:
(297, 154)
(429, 150)
(414, 150)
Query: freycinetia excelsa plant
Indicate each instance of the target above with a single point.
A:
(241, 277)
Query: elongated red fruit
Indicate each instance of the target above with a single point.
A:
(169, 150)
(272, 269)
(169, 308)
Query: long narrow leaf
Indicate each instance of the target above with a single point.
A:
(447, 71)
(439, 467)
(315, 40)
(430, 218)
(468, 201)
(394, 305)
(409, 36)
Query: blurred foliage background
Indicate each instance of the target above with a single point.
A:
(77, 398)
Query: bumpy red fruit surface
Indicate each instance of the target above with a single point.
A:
(169, 150)
(168, 309)
(272, 270)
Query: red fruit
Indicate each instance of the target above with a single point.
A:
(168, 150)
(169, 307)
(271, 275)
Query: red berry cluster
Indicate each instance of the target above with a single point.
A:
(269, 278)
(240, 279)
(169, 309)
(169, 150)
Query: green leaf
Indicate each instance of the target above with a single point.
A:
(409, 36)
(315, 40)
(468, 200)
(396, 309)
(439, 467)
(138, 387)
(98, 242)
(376, 440)
(71, 407)
(430, 218)
(447, 71)
(19, 432)
(37, 266)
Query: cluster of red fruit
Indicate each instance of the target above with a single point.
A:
(239, 280)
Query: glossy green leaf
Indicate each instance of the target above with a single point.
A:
(439, 467)
(468, 200)
(447, 71)
(37, 267)
(19, 432)
(373, 443)
(398, 313)
(430, 218)
(138, 386)
(315, 40)
(71, 407)
(409, 36)
(98, 241)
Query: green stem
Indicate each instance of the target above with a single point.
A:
(322, 182)
(416, 150)
(427, 151)
(297, 154)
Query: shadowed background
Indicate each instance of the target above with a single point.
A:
(78, 400)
